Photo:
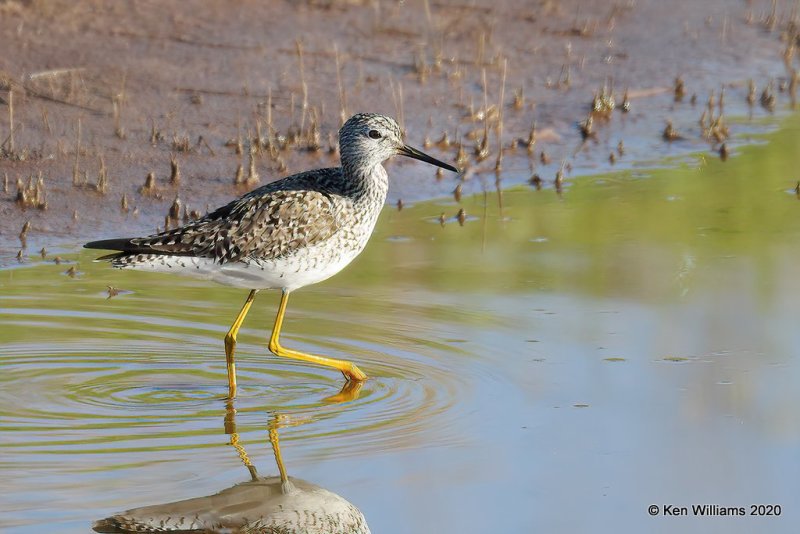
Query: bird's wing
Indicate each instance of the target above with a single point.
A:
(267, 223)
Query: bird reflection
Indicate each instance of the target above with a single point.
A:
(266, 505)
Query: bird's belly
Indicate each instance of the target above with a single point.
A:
(307, 266)
(286, 273)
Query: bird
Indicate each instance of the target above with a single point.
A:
(272, 504)
(290, 233)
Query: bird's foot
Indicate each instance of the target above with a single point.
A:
(353, 373)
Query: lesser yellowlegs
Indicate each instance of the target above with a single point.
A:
(285, 235)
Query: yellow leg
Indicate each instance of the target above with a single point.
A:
(230, 343)
(350, 371)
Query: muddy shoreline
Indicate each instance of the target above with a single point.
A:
(95, 97)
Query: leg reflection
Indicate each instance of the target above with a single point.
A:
(230, 429)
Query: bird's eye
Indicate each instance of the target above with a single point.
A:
(375, 134)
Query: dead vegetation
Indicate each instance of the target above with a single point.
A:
(470, 89)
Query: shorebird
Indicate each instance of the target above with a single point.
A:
(285, 235)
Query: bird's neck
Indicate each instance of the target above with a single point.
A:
(368, 183)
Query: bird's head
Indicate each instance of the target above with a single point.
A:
(368, 139)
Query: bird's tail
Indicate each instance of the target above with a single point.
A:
(123, 246)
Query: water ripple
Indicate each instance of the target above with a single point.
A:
(133, 382)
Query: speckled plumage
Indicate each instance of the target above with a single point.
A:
(273, 237)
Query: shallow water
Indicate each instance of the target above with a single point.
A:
(557, 364)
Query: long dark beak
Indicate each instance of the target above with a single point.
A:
(416, 154)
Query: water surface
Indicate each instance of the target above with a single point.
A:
(557, 364)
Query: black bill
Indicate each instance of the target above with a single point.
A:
(416, 154)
